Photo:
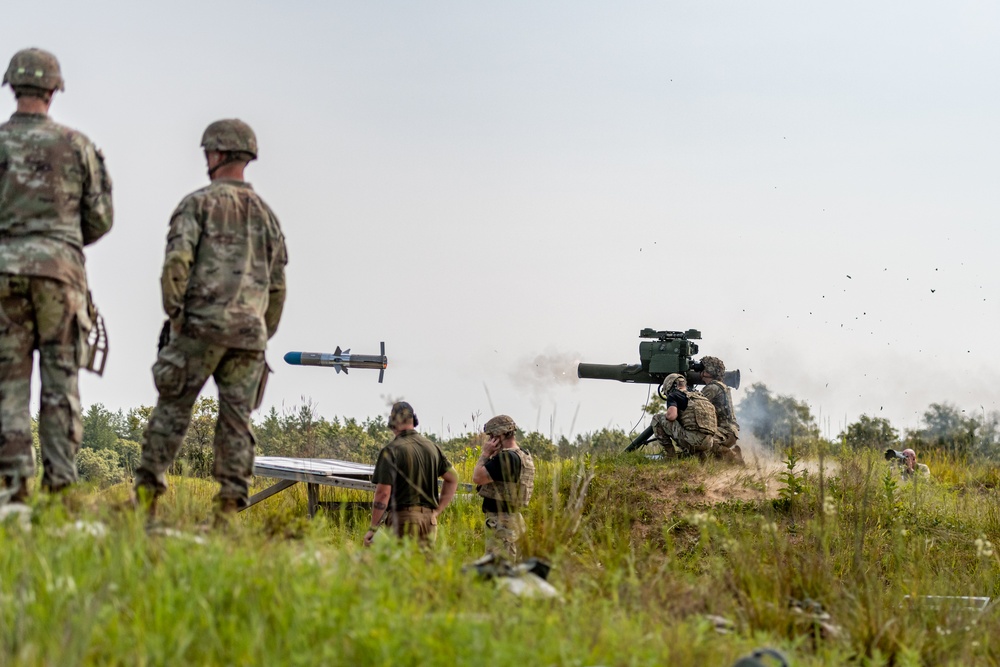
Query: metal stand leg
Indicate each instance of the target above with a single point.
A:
(270, 491)
(312, 491)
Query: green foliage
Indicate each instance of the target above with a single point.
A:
(541, 447)
(776, 421)
(100, 466)
(100, 428)
(794, 482)
(639, 569)
(871, 432)
(945, 427)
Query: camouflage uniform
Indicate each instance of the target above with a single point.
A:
(55, 198)
(513, 474)
(720, 396)
(223, 286)
(695, 429)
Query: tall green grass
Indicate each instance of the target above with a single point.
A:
(642, 562)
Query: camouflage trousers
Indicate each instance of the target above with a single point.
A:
(40, 314)
(180, 372)
(689, 441)
(730, 434)
(503, 530)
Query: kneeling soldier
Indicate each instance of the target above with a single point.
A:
(689, 420)
(505, 474)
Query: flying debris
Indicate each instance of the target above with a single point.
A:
(341, 360)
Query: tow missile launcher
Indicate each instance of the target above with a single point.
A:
(662, 353)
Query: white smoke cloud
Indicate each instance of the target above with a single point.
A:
(542, 372)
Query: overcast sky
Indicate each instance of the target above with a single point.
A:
(491, 186)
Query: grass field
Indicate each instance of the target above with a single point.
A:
(676, 563)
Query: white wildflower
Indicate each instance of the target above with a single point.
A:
(829, 506)
(62, 584)
(984, 548)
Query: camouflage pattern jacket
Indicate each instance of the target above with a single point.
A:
(722, 398)
(224, 272)
(55, 198)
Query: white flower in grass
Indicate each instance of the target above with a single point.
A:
(701, 518)
(829, 506)
(770, 527)
(62, 584)
(984, 548)
(903, 532)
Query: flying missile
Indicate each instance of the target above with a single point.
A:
(340, 360)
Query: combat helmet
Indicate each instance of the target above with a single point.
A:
(671, 380)
(35, 68)
(714, 366)
(500, 426)
(230, 135)
(401, 413)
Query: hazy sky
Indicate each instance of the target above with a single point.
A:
(812, 185)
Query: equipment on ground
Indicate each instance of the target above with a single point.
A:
(341, 360)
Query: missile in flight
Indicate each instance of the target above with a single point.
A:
(340, 360)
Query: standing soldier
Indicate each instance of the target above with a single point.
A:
(55, 198)
(223, 285)
(406, 481)
(505, 474)
(715, 390)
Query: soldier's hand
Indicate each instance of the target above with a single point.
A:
(369, 537)
(492, 446)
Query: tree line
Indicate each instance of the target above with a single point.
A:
(111, 447)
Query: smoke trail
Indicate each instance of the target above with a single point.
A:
(541, 372)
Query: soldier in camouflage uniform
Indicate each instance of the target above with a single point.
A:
(223, 286)
(719, 394)
(55, 198)
(689, 420)
(505, 475)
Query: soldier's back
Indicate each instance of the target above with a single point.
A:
(54, 198)
(239, 243)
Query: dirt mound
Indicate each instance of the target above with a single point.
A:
(676, 488)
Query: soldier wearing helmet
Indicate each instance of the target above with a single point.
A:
(505, 475)
(406, 481)
(715, 390)
(55, 198)
(689, 421)
(223, 289)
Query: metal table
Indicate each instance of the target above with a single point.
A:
(312, 472)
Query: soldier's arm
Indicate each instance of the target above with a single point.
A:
(276, 289)
(182, 242)
(96, 211)
(480, 475)
(448, 489)
(379, 506)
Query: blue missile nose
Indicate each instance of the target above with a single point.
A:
(293, 358)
